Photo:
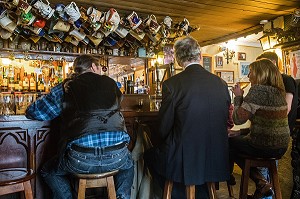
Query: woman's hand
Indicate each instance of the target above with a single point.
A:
(233, 133)
(237, 91)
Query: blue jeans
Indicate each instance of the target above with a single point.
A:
(56, 173)
(265, 172)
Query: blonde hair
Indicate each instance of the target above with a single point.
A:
(266, 73)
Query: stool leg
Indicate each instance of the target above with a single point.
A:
(81, 188)
(168, 189)
(245, 180)
(230, 190)
(190, 191)
(27, 190)
(111, 192)
(275, 180)
(211, 190)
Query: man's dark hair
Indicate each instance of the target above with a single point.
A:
(269, 55)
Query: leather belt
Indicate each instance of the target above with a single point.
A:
(97, 150)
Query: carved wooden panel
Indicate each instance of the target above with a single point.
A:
(14, 147)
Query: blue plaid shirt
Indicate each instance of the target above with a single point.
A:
(49, 107)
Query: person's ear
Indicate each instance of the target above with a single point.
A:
(94, 67)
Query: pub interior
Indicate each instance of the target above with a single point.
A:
(134, 41)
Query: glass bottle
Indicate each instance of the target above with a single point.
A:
(25, 82)
(41, 84)
(18, 83)
(11, 79)
(32, 83)
(5, 79)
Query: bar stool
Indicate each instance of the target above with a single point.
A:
(13, 177)
(190, 190)
(97, 180)
(269, 163)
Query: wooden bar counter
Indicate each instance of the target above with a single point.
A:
(42, 138)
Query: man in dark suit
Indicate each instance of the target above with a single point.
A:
(193, 116)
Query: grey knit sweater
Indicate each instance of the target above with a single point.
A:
(268, 115)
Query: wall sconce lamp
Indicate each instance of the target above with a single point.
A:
(268, 41)
(228, 53)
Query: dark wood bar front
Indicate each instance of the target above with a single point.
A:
(42, 138)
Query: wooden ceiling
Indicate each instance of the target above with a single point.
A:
(219, 20)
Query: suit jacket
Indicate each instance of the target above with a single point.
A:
(193, 115)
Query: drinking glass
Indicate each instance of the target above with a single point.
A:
(243, 82)
(8, 104)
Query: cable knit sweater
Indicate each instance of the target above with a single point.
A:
(268, 115)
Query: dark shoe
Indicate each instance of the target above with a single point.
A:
(231, 180)
(264, 191)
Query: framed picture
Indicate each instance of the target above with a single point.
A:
(207, 63)
(241, 56)
(244, 69)
(227, 76)
(219, 61)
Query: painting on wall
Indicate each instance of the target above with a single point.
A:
(244, 69)
(227, 76)
(207, 63)
(295, 63)
(219, 62)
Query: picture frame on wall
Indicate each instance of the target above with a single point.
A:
(207, 62)
(241, 56)
(244, 69)
(219, 62)
(227, 76)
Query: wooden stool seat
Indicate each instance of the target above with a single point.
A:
(14, 180)
(190, 190)
(97, 180)
(269, 163)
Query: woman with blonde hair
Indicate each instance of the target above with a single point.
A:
(265, 106)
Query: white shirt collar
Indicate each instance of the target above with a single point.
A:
(192, 64)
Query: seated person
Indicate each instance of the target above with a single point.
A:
(265, 106)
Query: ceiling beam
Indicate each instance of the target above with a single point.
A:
(243, 33)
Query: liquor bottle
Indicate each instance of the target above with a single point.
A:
(11, 79)
(5, 79)
(18, 83)
(1, 77)
(52, 78)
(32, 83)
(41, 84)
(25, 82)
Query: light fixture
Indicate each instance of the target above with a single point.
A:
(228, 53)
(268, 41)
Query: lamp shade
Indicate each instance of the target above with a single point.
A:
(268, 41)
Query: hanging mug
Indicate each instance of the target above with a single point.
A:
(96, 41)
(60, 9)
(27, 18)
(78, 35)
(94, 14)
(152, 24)
(168, 22)
(134, 20)
(5, 34)
(6, 22)
(121, 31)
(24, 6)
(40, 23)
(112, 19)
(73, 11)
(45, 9)
(62, 26)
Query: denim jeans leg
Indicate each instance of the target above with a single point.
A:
(123, 182)
(56, 179)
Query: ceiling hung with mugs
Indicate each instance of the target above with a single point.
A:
(87, 26)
